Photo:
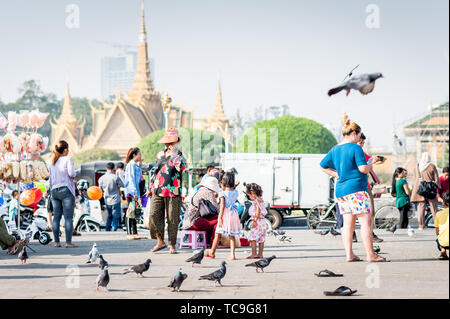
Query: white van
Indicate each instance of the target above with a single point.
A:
(289, 181)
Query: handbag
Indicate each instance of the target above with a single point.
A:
(426, 189)
(131, 211)
(205, 208)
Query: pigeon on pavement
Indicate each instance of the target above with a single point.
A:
(216, 276)
(410, 232)
(139, 269)
(334, 232)
(103, 279)
(93, 254)
(364, 83)
(261, 264)
(23, 256)
(392, 229)
(177, 280)
(197, 257)
(103, 263)
(376, 249)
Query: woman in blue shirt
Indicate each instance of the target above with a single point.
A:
(133, 174)
(347, 163)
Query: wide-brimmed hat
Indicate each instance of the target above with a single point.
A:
(211, 183)
(170, 136)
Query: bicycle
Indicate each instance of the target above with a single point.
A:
(322, 215)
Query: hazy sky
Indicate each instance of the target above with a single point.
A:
(268, 52)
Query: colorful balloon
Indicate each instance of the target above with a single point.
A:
(94, 193)
(27, 198)
(37, 195)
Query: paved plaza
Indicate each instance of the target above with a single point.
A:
(414, 271)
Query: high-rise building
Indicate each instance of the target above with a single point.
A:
(118, 72)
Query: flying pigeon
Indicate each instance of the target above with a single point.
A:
(23, 256)
(364, 83)
(376, 249)
(197, 258)
(322, 232)
(392, 229)
(139, 269)
(177, 280)
(103, 279)
(261, 264)
(103, 263)
(93, 254)
(334, 232)
(216, 276)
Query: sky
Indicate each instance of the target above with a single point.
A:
(268, 52)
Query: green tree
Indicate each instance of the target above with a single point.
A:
(294, 135)
(200, 147)
(96, 154)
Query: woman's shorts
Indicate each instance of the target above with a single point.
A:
(356, 203)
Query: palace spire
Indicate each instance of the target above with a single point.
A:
(143, 84)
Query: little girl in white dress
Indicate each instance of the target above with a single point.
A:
(257, 213)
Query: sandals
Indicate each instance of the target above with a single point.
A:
(327, 273)
(341, 291)
(443, 257)
(356, 259)
(379, 260)
(209, 256)
(158, 248)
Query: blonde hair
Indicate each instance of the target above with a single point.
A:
(58, 150)
(350, 127)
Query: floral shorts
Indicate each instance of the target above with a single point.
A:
(356, 203)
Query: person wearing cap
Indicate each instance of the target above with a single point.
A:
(166, 190)
(208, 190)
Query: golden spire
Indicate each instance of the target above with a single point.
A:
(142, 33)
(67, 114)
(143, 84)
(219, 113)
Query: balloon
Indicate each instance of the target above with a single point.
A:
(37, 195)
(2, 201)
(41, 186)
(94, 193)
(27, 198)
(29, 186)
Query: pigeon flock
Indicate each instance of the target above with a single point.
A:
(104, 278)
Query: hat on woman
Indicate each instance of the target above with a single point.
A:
(211, 183)
(170, 136)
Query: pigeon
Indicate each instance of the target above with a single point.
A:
(364, 83)
(23, 256)
(139, 269)
(103, 263)
(93, 254)
(103, 279)
(322, 232)
(392, 229)
(261, 264)
(376, 249)
(410, 232)
(197, 257)
(216, 276)
(177, 280)
(334, 232)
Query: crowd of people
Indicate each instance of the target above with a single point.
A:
(213, 206)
